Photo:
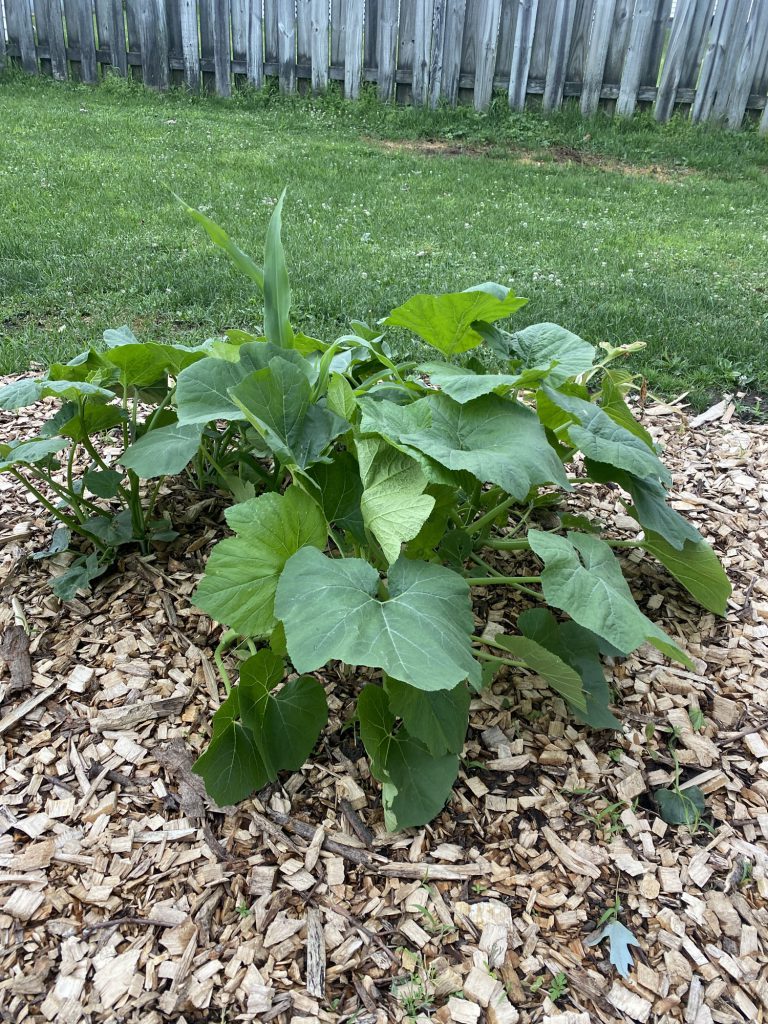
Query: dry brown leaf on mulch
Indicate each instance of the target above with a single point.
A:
(126, 895)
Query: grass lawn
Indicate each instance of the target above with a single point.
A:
(618, 231)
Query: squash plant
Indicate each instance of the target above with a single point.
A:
(97, 464)
(389, 484)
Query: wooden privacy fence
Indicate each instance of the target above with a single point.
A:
(710, 56)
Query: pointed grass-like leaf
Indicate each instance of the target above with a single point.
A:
(696, 567)
(582, 577)
(277, 290)
(542, 345)
(420, 633)
(415, 783)
(219, 237)
(446, 321)
(494, 439)
(163, 451)
(438, 719)
(241, 575)
(601, 438)
(393, 504)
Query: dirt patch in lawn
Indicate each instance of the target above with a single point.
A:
(126, 895)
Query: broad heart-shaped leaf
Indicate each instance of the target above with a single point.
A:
(552, 669)
(137, 365)
(578, 648)
(582, 577)
(232, 766)
(286, 724)
(619, 941)
(78, 576)
(393, 504)
(277, 290)
(219, 237)
(438, 719)
(464, 385)
(415, 783)
(241, 575)
(105, 483)
(202, 390)
(492, 438)
(164, 451)
(445, 321)
(696, 567)
(27, 453)
(340, 490)
(278, 402)
(601, 438)
(683, 807)
(420, 634)
(22, 393)
(544, 344)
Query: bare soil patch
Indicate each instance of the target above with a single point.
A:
(125, 895)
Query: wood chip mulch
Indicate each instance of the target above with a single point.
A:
(125, 895)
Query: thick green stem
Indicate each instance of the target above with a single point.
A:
(153, 498)
(502, 544)
(488, 518)
(68, 521)
(227, 639)
(516, 582)
(501, 661)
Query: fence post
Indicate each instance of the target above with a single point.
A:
(319, 46)
(353, 49)
(422, 46)
(637, 53)
(673, 62)
(386, 44)
(255, 54)
(554, 84)
(488, 37)
(521, 52)
(597, 52)
(221, 47)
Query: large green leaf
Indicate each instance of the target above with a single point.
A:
(420, 633)
(278, 402)
(612, 402)
(22, 393)
(20, 453)
(464, 385)
(579, 648)
(241, 575)
(138, 365)
(492, 438)
(582, 577)
(541, 345)
(232, 766)
(285, 724)
(437, 719)
(393, 503)
(277, 290)
(219, 237)
(164, 451)
(601, 438)
(340, 490)
(696, 567)
(445, 321)
(553, 669)
(415, 784)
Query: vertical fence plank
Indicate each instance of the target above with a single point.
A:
(455, 15)
(659, 32)
(304, 32)
(488, 37)
(49, 14)
(673, 62)
(713, 60)
(222, 60)
(286, 44)
(542, 37)
(422, 45)
(255, 60)
(405, 44)
(371, 30)
(386, 46)
(190, 44)
(506, 37)
(3, 58)
(691, 65)
(596, 57)
(320, 46)
(102, 16)
(471, 42)
(20, 29)
(118, 43)
(637, 50)
(88, 68)
(338, 32)
(353, 49)
(582, 26)
(617, 41)
(438, 50)
(153, 31)
(239, 14)
(271, 44)
(521, 53)
(748, 50)
(562, 31)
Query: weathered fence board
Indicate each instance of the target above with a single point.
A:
(705, 58)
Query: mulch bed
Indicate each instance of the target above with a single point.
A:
(125, 895)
